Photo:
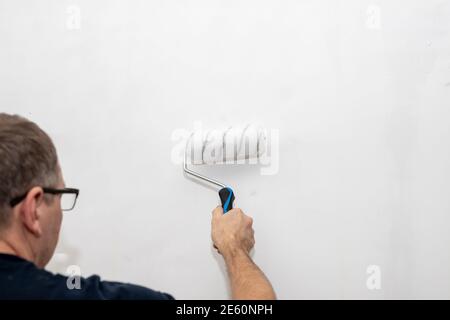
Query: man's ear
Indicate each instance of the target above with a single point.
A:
(30, 211)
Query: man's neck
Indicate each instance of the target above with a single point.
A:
(7, 247)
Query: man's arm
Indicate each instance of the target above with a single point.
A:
(233, 236)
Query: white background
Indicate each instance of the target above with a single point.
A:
(360, 94)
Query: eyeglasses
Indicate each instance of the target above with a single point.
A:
(69, 197)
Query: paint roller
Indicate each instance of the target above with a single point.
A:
(240, 144)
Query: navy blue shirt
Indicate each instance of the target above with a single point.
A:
(21, 279)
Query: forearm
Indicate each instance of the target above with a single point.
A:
(247, 280)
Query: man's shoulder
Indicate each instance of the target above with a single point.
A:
(97, 288)
(24, 280)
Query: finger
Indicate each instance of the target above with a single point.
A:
(235, 211)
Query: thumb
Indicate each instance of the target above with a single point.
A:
(217, 212)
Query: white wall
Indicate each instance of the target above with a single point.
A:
(359, 91)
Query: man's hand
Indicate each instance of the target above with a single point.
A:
(232, 232)
(233, 237)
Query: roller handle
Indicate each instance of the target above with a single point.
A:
(227, 198)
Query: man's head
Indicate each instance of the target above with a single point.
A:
(28, 163)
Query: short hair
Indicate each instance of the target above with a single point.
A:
(28, 158)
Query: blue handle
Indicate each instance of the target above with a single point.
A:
(227, 198)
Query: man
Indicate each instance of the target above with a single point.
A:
(32, 198)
